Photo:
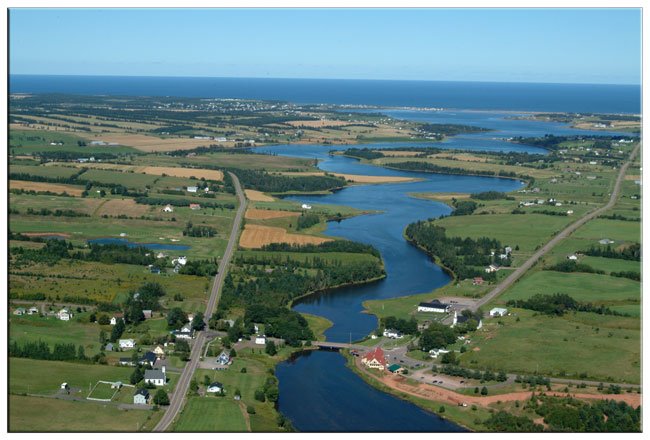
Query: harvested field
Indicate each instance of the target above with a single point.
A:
(258, 196)
(256, 236)
(464, 157)
(50, 187)
(151, 143)
(319, 124)
(632, 177)
(306, 173)
(182, 172)
(394, 153)
(443, 196)
(265, 214)
(375, 179)
(46, 234)
(127, 207)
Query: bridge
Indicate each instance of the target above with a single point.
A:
(339, 345)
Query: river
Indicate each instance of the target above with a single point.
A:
(317, 391)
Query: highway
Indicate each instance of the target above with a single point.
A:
(177, 399)
(521, 270)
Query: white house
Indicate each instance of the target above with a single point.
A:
(433, 306)
(19, 311)
(159, 352)
(491, 268)
(392, 334)
(33, 311)
(461, 319)
(305, 206)
(113, 320)
(260, 340)
(192, 189)
(168, 208)
(215, 387)
(64, 315)
(437, 352)
(569, 212)
(497, 311)
(127, 343)
(572, 257)
(155, 377)
(141, 397)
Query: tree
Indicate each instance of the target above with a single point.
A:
(92, 318)
(197, 323)
(161, 398)
(103, 320)
(194, 386)
(136, 376)
(176, 318)
(233, 353)
(270, 349)
(259, 395)
(206, 380)
(102, 337)
(484, 391)
(118, 329)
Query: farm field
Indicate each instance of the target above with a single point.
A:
(265, 214)
(605, 348)
(26, 414)
(211, 414)
(54, 331)
(256, 236)
(56, 188)
(257, 196)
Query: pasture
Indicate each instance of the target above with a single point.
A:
(128, 179)
(44, 171)
(57, 188)
(210, 414)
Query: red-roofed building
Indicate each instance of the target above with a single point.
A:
(375, 359)
(478, 281)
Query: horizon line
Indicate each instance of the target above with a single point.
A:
(326, 79)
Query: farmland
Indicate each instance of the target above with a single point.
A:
(256, 236)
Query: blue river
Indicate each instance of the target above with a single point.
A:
(317, 391)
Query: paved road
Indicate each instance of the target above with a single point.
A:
(521, 270)
(177, 399)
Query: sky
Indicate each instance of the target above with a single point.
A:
(503, 45)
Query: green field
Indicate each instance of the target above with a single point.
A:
(603, 347)
(54, 331)
(616, 230)
(130, 180)
(210, 414)
(102, 391)
(45, 171)
(39, 414)
(45, 377)
(25, 142)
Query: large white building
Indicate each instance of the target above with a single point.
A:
(433, 306)
(497, 311)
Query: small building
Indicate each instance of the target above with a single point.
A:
(194, 206)
(192, 189)
(569, 212)
(180, 334)
(114, 320)
(147, 314)
(395, 368)
(33, 311)
(148, 358)
(437, 352)
(64, 315)
(215, 387)
(141, 397)
(127, 343)
(433, 306)
(572, 257)
(126, 362)
(20, 311)
(478, 281)
(109, 347)
(305, 206)
(392, 334)
(606, 241)
(462, 319)
(492, 268)
(64, 386)
(498, 311)
(159, 352)
(223, 358)
(155, 377)
(182, 261)
(260, 340)
(168, 208)
(375, 359)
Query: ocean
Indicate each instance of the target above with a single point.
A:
(532, 97)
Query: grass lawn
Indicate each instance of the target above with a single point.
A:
(45, 377)
(616, 230)
(211, 414)
(584, 287)
(604, 347)
(318, 325)
(34, 414)
(54, 331)
(102, 391)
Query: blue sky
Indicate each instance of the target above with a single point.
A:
(522, 45)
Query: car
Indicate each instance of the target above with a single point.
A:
(435, 381)
(462, 381)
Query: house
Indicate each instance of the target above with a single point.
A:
(572, 257)
(393, 334)
(192, 189)
(114, 320)
(141, 397)
(159, 352)
(147, 314)
(155, 377)
(223, 358)
(437, 352)
(508, 250)
(160, 255)
(180, 334)
(478, 281)
(462, 319)
(396, 368)
(497, 311)
(433, 306)
(569, 212)
(109, 347)
(503, 256)
(148, 358)
(33, 311)
(20, 311)
(155, 270)
(606, 241)
(195, 206)
(127, 343)
(126, 361)
(64, 315)
(260, 340)
(180, 261)
(375, 359)
(305, 206)
(215, 387)
(491, 268)
(168, 208)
